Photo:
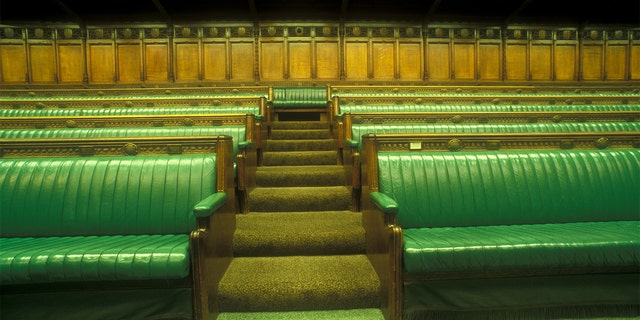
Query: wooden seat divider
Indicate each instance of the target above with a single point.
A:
(134, 221)
(518, 221)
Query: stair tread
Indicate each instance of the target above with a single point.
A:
(347, 314)
(298, 233)
(298, 283)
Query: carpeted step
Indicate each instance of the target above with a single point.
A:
(298, 283)
(292, 199)
(298, 233)
(299, 158)
(301, 145)
(305, 176)
(300, 125)
(351, 314)
(278, 134)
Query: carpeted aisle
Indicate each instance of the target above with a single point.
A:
(300, 251)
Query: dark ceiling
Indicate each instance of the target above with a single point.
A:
(573, 12)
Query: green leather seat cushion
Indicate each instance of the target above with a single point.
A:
(94, 258)
(522, 247)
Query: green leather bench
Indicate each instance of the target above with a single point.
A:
(124, 221)
(298, 99)
(488, 225)
(67, 112)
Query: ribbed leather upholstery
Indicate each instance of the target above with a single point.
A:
(236, 132)
(485, 211)
(300, 97)
(103, 195)
(120, 217)
(483, 108)
(255, 110)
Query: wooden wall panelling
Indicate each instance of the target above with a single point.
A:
(383, 53)
(215, 53)
(489, 61)
(273, 64)
(356, 53)
(326, 47)
(410, 64)
(157, 55)
(42, 55)
(517, 54)
(464, 53)
(128, 44)
(71, 67)
(541, 54)
(566, 54)
(187, 53)
(244, 52)
(300, 52)
(438, 53)
(634, 54)
(101, 57)
(616, 64)
(13, 55)
(592, 60)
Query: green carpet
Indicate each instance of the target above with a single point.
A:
(299, 253)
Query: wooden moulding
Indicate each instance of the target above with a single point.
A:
(62, 90)
(372, 90)
(129, 101)
(49, 122)
(117, 146)
(492, 99)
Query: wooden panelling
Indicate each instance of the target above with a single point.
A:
(299, 60)
(272, 60)
(240, 51)
(634, 55)
(410, 61)
(327, 55)
(129, 63)
(242, 58)
(383, 60)
(356, 60)
(71, 63)
(215, 61)
(517, 61)
(565, 55)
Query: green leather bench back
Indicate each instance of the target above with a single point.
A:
(238, 133)
(46, 197)
(255, 110)
(300, 97)
(511, 187)
(483, 108)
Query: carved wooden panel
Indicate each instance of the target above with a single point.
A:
(517, 61)
(410, 61)
(592, 55)
(634, 55)
(565, 55)
(383, 60)
(356, 60)
(129, 63)
(272, 60)
(215, 61)
(300, 60)
(327, 55)
(616, 52)
(242, 56)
